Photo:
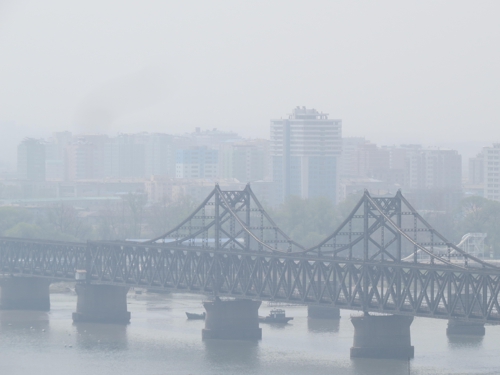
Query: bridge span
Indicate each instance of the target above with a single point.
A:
(230, 247)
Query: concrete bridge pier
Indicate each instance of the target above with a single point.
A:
(382, 336)
(457, 327)
(25, 293)
(232, 320)
(323, 312)
(101, 304)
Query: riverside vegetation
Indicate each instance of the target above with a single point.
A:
(307, 221)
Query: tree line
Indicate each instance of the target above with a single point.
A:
(307, 221)
(127, 218)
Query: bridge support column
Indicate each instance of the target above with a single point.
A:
(456, 327)
(101, 304)
(25, 293)
(232, 320)
(323, 312)
(386, 336)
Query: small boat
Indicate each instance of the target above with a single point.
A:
(192, 316)
(275, 316)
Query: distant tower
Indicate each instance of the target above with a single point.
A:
(31, 160)
(305, 152)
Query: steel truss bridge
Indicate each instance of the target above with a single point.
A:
(231, 247)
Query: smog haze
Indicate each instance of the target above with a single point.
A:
(395, 72)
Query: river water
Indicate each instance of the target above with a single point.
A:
(160, 340)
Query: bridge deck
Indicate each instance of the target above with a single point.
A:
(230, 247)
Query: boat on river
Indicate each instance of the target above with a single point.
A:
(192, 316)
(275, 316)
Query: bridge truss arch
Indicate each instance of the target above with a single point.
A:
(389, 229)
(233, 221)
(231, 247)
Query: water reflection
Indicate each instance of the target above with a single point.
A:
(232, 353)
(94, 336)
(368, 366)
(24, 319)
(275, 326)
(156, 306)
(152, 301)
(323, 325)
(464, 341)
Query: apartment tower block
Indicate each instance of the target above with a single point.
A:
(305, 152)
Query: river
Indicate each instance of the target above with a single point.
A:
(160, 340)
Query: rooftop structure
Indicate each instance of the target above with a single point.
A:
(305, 151)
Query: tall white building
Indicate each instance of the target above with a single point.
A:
(491, 157)
(305, 151)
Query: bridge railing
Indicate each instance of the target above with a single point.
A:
(41, 258)
(430, 290)
(369, 263)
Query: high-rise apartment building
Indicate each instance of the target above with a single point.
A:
(88, 157)
(31, 160)
(350, 146)
(476, 170)
(55, 155)
(305, 150)
(212, 138)
(250, 160)
(197, 162)
(160, 155)
(491, 176)
(372, 160)
(433, 178)
(433, 169)
(128, 152)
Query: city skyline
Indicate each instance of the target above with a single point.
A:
(174, 175)
(393, 72)
(306, 156)
(468, 149)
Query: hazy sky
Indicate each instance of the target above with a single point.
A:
(393, 71)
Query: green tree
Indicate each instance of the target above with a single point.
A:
(306, 221)
(135, 206)
(166, 214)
(25, 230)
(344, 208)
(65, 220)
(481, 215)
(10, 216)
(107, 222)
(37, 231)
